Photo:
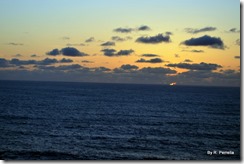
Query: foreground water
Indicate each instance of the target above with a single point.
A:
(58, 120)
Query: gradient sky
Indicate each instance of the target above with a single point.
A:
(190, 42)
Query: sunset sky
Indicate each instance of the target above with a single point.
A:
(190, 42)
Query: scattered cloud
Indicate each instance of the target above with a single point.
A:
(4, 63)
(54, 52)
(143, 28)
(34, 55)
(149, 55)
(18, 55)
(129, 67)
(238, 42)
(197, 51)
(154, 39)
(177, 55)
(168, 33)
(75, 44)
(124, 30)
(67, 51)
(15, 44)
(120, 39)
(205, 40)
(66, 38)
(187, 60)
(195, 66)
(87, 61)
(108, 44)
(157, 70)
(154, 60)
(234, 30)
(195, 30)
(113, 52)
(91, 39)
(64, 60)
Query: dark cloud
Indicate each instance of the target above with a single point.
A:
(112, 52)
(108, 44)
(123, 30)
(149, 55)
(46, 61)
(205, 40)
(74, 44)
(101, 69)
(70, 51)
(4, 63)
(125, 52)
(61, 67)
(91, 39)
(15, 44)
(234, 30)
(154, 39)
(54, 52)
(197, 51)
(195, 31)
(129, 67)
(120, 39)
(168, 33)
(237, 57)
(154, 60)
(157, 70)
(109, 52)
(64, 60)
(187, 60)
(87, 61)
(200, 66)
(33, 55)
(143, 28)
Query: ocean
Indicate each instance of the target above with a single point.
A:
(95, 121)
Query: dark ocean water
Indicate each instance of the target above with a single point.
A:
(58, 120)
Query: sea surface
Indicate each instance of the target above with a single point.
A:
(92, 121)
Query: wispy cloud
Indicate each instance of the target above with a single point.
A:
(195, 30)
(108, 44)
(196, 66)
(113, 52)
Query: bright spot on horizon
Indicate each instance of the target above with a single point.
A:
(174, 83)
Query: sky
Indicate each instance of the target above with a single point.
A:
(189, 42)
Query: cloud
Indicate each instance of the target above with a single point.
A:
(15, 44)
(101, 69)
(238, 42)
(187, 60)
(195, 31)
(70, 51)
(108, 44)
(54, 52)
(18, 62)
(195, 66)
(64, 60)
(154, 60)
(124, 30)
(112, 52)
(149, 55)
(237, 57)
(144, 28)
(168, 33)
(197, 51)
(120, 39)
(65, 38)
(18, 55)
(125, 52)
(75, 44)
(234, 30)
(154, 39)
(4, 63)
(205, 40)
(67, 51)
(91, 39)
(87, 61)
(177, 55)
(129, 67)
(157, 70)
(34, 55)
